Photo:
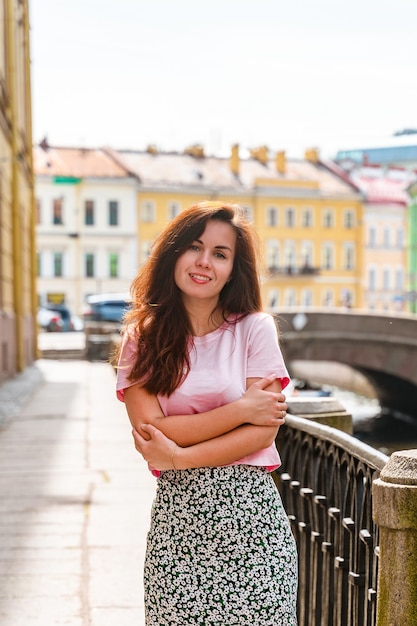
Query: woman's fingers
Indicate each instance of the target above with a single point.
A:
(154, 446)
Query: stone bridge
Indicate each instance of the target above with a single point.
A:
(382, 347)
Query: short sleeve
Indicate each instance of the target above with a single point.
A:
(264, 354)
(127, 358)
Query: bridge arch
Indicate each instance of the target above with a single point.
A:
(382, 347)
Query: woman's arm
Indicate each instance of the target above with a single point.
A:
(263, 404)
(163, 454)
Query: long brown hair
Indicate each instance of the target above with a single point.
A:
(158, 314)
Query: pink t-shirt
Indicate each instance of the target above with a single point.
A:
(220, 361)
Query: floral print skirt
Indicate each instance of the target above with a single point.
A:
(220, 550)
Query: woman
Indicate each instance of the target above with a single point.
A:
(201, 374)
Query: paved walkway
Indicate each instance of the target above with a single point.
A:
(74, 503)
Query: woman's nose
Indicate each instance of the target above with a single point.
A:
(204, 259)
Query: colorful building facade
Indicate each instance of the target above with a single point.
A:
(86, 228)
(309, 220)
(411, 295)
(17, 235)
(385, 273)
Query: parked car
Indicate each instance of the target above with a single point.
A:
(48, 320)
(108, 307)
(64, 312)
(102, 321)
(77, 323)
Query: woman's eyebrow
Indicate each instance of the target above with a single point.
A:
(217, 247)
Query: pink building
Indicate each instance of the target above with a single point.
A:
(385, 234)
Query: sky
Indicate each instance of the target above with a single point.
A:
(290, 74)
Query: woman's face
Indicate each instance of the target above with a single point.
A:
(205, 267)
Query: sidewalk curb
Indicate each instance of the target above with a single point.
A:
(14, 393)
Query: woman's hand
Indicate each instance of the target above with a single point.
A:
(262, 407)
(155, 447)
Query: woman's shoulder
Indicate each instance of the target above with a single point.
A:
(253, 323)
(254, 319)
(129, 331)
(129, 339)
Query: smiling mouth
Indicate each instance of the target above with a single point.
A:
(205, 279)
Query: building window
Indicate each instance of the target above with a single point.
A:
(348, 256)
(247, 210)
(39, 264)
(327, 256)
(58, 211)
(38, 211)
(89, 265)
(272, 216)
(113, 265)
(328, 298)
(290, 255)
(146, 247)
(399, 279)
(306, 254)
(400, 238)
(113, 213)
(273, 298)
(58, 264)
(387, 238)
(349, 219)
(307, 218)
(306, 297)
(372, 279)
(174, 209)
(272, 254)
(372, 237)
(147, 212)
(290, 297)
(328, 218)
(386, 279)
(346, 298)
(89, 213)
(289, 217)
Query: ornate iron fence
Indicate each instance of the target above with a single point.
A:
(325, 484)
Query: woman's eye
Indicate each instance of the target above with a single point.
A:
(194, 247)
(219, 255)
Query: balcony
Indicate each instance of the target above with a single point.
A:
(292, 270)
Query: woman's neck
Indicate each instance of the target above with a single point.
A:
(204, 320)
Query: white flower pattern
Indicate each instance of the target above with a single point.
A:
(220, 551)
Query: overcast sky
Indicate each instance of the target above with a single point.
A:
(289, 74)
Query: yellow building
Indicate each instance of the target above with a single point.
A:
(17, 276)
(309, 219)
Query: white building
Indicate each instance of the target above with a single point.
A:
(86, 228)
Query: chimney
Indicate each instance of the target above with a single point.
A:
(281, 162)
(196, 151)
(312, 155)
(260, 154)
(234, 159)
(44, 144)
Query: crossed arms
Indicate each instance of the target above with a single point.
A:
(208, 439)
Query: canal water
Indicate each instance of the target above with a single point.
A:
(384, 431)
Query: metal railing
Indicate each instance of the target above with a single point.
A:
(325, 484)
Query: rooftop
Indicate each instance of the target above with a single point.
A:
(164, 170)
(381, 184)
(75, 163)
